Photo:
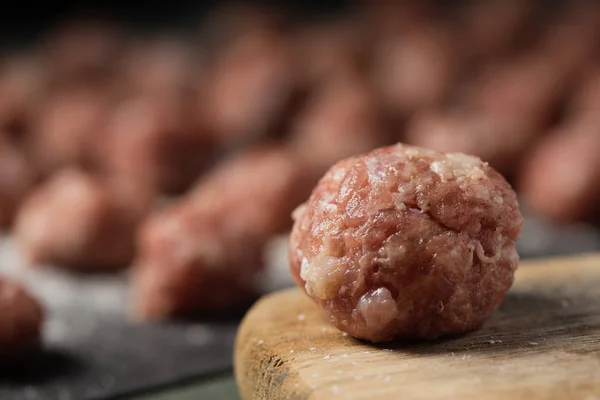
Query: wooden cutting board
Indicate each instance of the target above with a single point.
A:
(543, 343)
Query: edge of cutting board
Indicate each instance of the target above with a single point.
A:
(543, 343)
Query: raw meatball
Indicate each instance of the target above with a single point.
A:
(415, 70)
(231, 21)
(407, 243)
(525, 87)
(391, 18)
(331, 47)
(571, 40)
(249, 88)
(561, 178)
(78, 222)
(21, 318)
(83, 48)
(161, 66)
(193, 260)
(203, 253)
(492, 28)
(342, 119)
(153, 141)
(271, 179)
(21, 80)
(67, 127)
(586, 97)
(498, 116)
(498, 140)
(16, 179)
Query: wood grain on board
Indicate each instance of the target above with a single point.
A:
(543, 343)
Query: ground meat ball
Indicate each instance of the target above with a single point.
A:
(525, 87)
(82, 48)
(272, 180)
(161, 66)
(415, 70)
(203, 253)
(340, 120)
(498, 116)
(192, 260)
(77, 222)
(586, 97)
(491, 28)
(230, 21)
(16, 179)
(391, 18)
(66, 127)
(249, 88)
(21, 318)
(154, 142)
(492, 137)
(331, 47)
(571, 40)
(21, 80)
(561, 178)
(568, 154)
(407, 243)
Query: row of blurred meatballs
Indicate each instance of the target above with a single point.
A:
(182, 157)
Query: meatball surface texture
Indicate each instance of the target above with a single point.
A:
(407, 243)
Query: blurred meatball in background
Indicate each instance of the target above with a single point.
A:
(250, 85)
(155, 142)
(79, 222)
(331, 46)
(341, 119)
(386, 19)
(203, 253)
(560, 178)
(22, 81)
(416, 70)
(191, 262)
(571, 40)
(585, 97)
(229, 21)
(82, 49)
(21, 323)
(239, 182)
(499, 115)
(493, 29)
(162, 66)
(67, 126)
(17, 178)
(154, 135)
(494, 138)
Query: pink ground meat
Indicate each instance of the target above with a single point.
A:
(342, 119)
(150, 140)
(407, 243)
(16, 180)
(78, 222)
(203, 253)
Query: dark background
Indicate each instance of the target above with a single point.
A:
(25, 21)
